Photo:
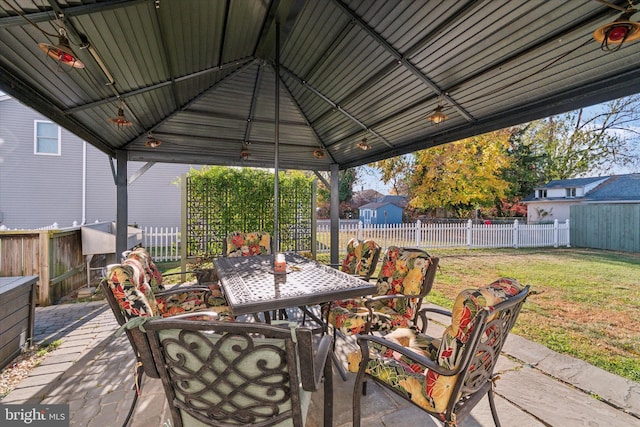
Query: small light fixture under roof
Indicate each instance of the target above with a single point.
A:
(120, 120)
(62, 51)
(614, 34)
(244, 153)
(438, 116)
(319, 153)
(152, 142)
(364, 145)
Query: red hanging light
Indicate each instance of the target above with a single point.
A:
(62, 51)
(613, 35)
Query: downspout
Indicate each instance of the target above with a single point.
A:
(84, 183)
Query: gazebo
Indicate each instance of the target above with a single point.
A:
(306, 84)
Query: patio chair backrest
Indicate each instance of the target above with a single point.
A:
(130, 296)
(217, 373)
(247, 244)
(465, 357)
(409, 272)
(127, 297)
(362, 258)
(480, 323)
(153, 274)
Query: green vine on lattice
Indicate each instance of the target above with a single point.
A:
(221, 200)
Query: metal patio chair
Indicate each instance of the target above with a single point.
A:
(361, 258)
(130, 296)
(235, 373)
(406, 278)
(444, 376)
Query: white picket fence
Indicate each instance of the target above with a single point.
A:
(164, 242)
(452, 235)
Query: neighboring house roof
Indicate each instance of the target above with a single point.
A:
(617, 188)
(377, 205)
(573, 182)
(400, 201)
(612, 188)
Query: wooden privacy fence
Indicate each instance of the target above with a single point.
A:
(610, 226)
(55, 256)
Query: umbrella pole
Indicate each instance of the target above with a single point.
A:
(276, 192)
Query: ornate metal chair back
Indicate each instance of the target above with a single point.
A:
(225, 374)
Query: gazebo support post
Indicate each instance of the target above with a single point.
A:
(334, 214)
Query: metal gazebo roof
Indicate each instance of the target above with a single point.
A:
(200, 75)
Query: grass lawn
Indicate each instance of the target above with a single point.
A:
(587, 306)
(587, 303)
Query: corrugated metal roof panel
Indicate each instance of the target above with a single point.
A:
(200, 75)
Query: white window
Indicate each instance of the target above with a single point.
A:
(542, 194)
(46, 138)
(571, 192)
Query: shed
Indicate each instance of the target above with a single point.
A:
(385, 210)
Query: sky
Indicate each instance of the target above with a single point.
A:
(370, 180)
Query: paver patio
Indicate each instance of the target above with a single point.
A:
(92, 371)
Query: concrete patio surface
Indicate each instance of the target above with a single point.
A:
(92, 372)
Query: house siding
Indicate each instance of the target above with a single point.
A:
(38, 190)
(556, 205)
(548, 211)
(29, 183)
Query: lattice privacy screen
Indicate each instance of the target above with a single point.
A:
(242, 201)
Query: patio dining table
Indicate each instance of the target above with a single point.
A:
(251, 286)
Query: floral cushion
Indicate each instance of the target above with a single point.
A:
(351, 259)
(421, 385)
(247, 244)
(128, 283)
(130, 289)
(360, 258)
(403, 272)
(153, 275)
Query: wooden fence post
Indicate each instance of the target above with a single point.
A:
(44, 298)
(516, 233)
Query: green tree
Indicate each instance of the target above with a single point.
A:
(347, 178)
(462, 176)
(584, 142)
(526, 168)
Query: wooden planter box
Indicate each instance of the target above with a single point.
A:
(17, 315)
